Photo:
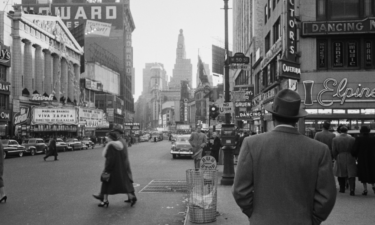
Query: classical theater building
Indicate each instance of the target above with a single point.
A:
(45, 71)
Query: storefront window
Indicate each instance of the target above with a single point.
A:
(338, 111)
(3, 75)
(368, 111)
(353, 111)
(4, 100)
(312, 111)
(324, 111)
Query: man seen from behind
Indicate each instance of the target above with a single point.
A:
(284, 177)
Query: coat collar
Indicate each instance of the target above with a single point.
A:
(284, 129)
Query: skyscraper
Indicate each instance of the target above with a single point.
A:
(183, 69)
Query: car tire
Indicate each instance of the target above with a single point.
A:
(20, 154)
(174, 156)
(32, 152)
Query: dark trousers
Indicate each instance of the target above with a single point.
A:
(51, 153)
(342, 182)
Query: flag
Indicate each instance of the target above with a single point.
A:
(202, 72)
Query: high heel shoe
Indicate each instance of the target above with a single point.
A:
(133, 201)
(99, 197)
(104, 204)
(364, 192)
(4, 199)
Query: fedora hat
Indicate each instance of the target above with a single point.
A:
(118, 129)
(286, 104)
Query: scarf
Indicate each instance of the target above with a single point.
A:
(116, 144)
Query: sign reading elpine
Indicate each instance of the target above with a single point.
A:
(50, 115)
(75, 14)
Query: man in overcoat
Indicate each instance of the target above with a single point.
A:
(52, 150)
(198, 141)
(345, 165)
(284, 177)
(325, 136)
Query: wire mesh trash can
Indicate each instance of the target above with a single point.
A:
(202, 191)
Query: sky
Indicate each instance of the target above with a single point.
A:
(157, 28)
(158, 23)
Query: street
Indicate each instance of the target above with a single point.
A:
(59, 192)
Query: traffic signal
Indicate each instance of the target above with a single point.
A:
(214, 111)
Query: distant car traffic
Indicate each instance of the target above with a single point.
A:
(76, 144)
(11, 147)
(181, 146)
(35, 145)
(144, 137)
(61, 146)
(88, 143)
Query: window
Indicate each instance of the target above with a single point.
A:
(265, 76)
(322, 54)
(267, 43)
(4, 101)
(269, 8)
(276, 31)
(273, 4)
(265, 14)
(344, 9)
(3, 74)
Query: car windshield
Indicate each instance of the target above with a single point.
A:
(25, 141)
(59, 141)
(182, 139)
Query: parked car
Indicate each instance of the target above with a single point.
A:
(88, 143)
(35, 145)
(75, 144)
(145, 137)
(181, 147)
(11, 147)
(61, 145)
(156, 136)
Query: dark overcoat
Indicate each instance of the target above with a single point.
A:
(1, 165)
(284, 178)
(216, 148)
(364, 151)
(52, 147)
(116, 166)
(345, 165)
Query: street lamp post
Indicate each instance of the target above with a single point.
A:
(228, 173)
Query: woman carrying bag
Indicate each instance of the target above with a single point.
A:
(115, 177)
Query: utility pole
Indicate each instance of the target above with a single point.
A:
(228, 173)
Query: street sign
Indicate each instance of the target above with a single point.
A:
(208, 163)
(239, 67)
(240, 58)
(226, 107)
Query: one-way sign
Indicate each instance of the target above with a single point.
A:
(226, 107)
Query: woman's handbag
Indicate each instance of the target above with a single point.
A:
(105, 177)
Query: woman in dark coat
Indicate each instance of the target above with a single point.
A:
(364, 151)
(116, 165)
(3, 197)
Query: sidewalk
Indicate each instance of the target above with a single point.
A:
(348, 210)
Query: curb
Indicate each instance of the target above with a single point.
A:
(186, 216)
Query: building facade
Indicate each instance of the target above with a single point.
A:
(183, 69)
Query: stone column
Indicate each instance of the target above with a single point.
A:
(16, 67)
(64, 78)
(71, 81)
(28, 67)
(77, 84)
(56, 76)
(48, 78)
(39, 70)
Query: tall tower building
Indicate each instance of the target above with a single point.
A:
(147, 74)
(183, 69)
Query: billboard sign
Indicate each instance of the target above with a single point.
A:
(74, 14)
(52, 115)
(93, 85)
(98, 28)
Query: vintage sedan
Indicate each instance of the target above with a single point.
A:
(88, 143)
(11, 147)
(76, 144)
(181, 146)
(35, 145)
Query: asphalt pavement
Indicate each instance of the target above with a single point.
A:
(59, 192)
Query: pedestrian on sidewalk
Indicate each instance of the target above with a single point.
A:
(325, 136)
(364, 152)
(345, 167)
(52, 150)
(216, 146)
(284, 177)
(198, 141)
(239, 144)
(3, 197)
(116, 165)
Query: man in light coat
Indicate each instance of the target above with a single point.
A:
(345, 165)
(198, 141)
(284, 177)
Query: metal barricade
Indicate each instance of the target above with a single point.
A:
(202, 191)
